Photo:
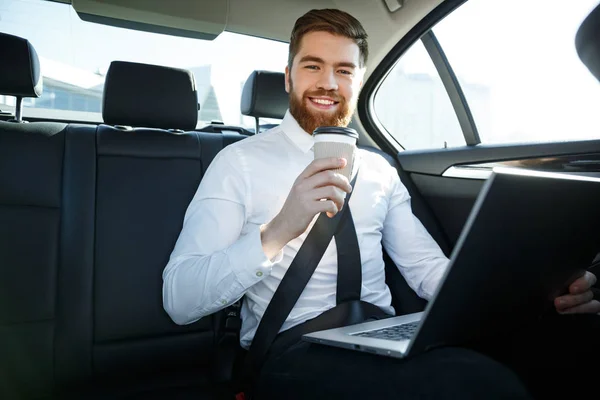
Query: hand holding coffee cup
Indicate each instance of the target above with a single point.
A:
(339, 142)
(316, 190)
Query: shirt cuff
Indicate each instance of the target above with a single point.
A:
(252, 265)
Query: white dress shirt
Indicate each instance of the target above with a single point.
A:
(218, 257)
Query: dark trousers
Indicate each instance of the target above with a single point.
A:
(542, 361)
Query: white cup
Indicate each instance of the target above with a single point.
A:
(335, 141)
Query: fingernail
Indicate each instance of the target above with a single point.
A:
(575, 288)
(562, 302)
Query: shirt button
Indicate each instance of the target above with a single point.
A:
(223, 301)
(259, 273)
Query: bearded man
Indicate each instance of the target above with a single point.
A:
(255, 206)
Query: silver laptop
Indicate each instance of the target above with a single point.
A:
(528, 234)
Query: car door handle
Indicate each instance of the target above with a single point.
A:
(468, 172)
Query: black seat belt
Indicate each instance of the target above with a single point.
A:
(300, 271)
(349, 277)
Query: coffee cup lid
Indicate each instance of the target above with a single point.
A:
(336, 130)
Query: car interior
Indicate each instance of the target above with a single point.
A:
(90, 211)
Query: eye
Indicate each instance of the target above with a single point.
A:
(345, 72)
(313, 67)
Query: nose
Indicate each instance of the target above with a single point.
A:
(327, 80)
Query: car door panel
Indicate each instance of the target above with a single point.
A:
(436, 162)
(449, 180)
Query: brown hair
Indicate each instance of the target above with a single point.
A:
(333, 21)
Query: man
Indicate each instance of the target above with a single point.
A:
(255, 206)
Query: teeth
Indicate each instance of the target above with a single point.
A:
(323, 101)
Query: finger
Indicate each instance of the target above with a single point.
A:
(583, 283)
(328, 207)
(322, 164)
(573, 300)
(338, 201)
(328, 178)
(591, 307)
(329, 193)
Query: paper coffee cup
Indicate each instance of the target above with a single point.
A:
(335, 141)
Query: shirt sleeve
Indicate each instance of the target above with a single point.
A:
(213, 264)
(413, 250)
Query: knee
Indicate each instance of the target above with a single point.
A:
(462, 373)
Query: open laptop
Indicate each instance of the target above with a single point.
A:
(528, 234)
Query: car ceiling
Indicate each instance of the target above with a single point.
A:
(271, 19)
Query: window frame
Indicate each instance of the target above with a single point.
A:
(453, 88)
(421, 31)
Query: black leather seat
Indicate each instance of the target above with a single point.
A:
(19, 71)
(88, 218)
(587, 42)
(219, 127)
(264, 96)
(31, 204)
(146, 178)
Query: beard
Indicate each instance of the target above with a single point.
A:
(309, 120)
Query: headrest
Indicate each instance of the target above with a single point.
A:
(264, 95)
(150, 96)
(587, 42)
(20, 73)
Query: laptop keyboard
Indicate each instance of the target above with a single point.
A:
(396, 332)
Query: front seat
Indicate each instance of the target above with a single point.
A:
(587, 42)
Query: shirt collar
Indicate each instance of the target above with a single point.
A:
(295, 133)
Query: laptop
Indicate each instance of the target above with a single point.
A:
(528, 235)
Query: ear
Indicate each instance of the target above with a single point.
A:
(287, 79)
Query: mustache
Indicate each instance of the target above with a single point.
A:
(332, 94)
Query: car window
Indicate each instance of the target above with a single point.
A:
(518, 71)
(75, 56)
(413, 106)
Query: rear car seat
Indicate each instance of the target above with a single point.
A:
(88, 218)
(18, 81)
(220, 127)
(146, 178)
(264, 96)
(31, 184)
(148, 169)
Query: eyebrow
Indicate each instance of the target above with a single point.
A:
(321, 61)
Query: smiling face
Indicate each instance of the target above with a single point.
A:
(324, 80)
